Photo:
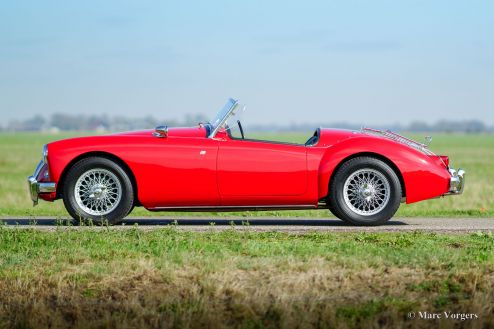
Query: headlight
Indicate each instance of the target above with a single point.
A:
(45, 154)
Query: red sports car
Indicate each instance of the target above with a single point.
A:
(360, 176)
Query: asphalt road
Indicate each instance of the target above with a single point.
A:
(295, 225)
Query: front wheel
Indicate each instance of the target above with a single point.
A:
(98, 189)
(365, 191)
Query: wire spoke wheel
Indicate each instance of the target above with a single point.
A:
(98, 191)
(366, 191)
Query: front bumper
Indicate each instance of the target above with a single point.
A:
(35, 187)
(456, 182)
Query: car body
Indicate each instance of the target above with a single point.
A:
(206, 168)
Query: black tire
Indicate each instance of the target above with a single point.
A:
(131, 209)
(379, 211)
(331, 209)
(119, 208)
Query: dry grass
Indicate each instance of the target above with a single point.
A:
(167, 278)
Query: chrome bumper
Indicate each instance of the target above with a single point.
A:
(35, 187)
(456, 182)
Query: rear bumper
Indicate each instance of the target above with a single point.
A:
(35, 187)
(456, 182)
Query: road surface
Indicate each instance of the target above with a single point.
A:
(268, 224)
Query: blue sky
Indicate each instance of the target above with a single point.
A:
(364, 62)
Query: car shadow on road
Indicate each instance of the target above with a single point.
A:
(199, 222)
(246, 221)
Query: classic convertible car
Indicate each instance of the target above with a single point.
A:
(360, 176)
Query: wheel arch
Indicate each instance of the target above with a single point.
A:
(376, 156)
(100, 154)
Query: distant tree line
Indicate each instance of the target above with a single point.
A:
(81, 122)
(448, 126)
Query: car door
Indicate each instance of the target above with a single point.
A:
(178, 172)
(260, 172)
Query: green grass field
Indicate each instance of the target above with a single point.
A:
(110, 278)
(21, 152)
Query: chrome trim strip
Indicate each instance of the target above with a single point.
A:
(234, 208)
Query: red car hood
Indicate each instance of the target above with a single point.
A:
(104, 139)
(198, 131)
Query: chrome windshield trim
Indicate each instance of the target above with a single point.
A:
(233, 104)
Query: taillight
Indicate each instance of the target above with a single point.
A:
(445, 159)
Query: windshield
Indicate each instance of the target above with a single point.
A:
(220, 118)
(232, 125)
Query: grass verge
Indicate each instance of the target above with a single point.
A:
(169, 278)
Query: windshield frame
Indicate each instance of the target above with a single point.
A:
(222, 115)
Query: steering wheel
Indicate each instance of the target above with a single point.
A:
(241, 129)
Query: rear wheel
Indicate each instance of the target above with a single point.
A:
(364, 191)
(99, 190)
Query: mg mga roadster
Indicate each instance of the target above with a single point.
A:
(360, 176)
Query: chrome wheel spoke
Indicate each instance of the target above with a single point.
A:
(98, 191)
(366, 191)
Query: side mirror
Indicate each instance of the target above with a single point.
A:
(161, 132)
